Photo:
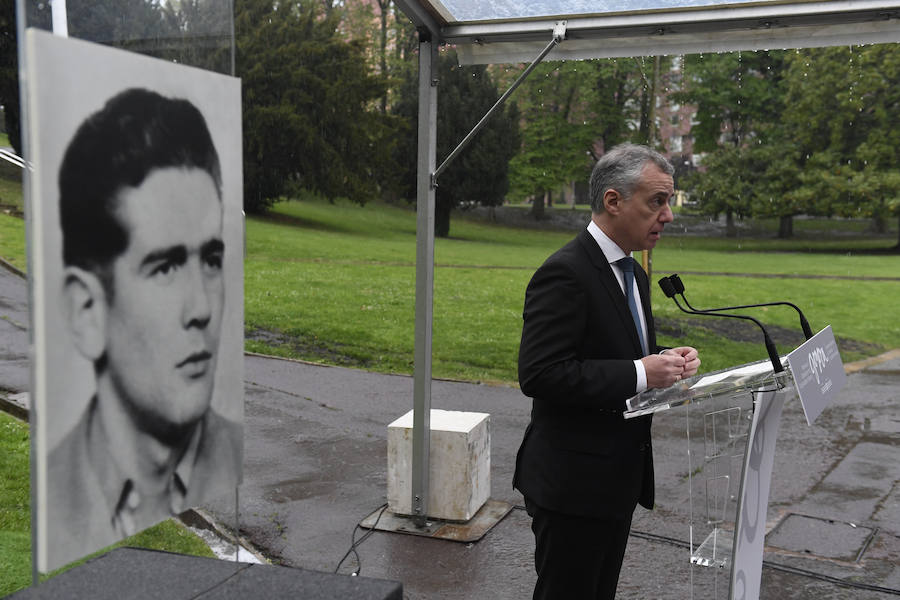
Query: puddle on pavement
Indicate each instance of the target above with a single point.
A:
(334, 463)
(298, 489)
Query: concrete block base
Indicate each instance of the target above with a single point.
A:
(460, 464)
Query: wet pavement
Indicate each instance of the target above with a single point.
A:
(315, 466)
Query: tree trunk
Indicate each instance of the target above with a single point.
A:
(654, 91)
(549, 198)
(786, 226)
(730, 229)
(383, 5)
(441, 218)
(897, 247)
(537, 206)
(647, 126)
(879, 223)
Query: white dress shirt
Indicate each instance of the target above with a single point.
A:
(613, 253)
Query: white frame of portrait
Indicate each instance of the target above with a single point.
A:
(68, 79)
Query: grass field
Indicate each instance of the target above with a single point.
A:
(10, 186)
(335, 283)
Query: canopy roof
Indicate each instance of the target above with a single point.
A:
(506, 31)
(459, 11)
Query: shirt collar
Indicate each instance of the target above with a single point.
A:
(610, 249)
(114, 476)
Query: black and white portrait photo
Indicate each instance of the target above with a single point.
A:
(136, 251)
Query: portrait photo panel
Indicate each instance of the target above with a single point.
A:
(135, 241)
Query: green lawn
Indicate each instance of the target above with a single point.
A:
(12, 232)
(12, 240)
(335, 283)
(10, 186)
(15, 516)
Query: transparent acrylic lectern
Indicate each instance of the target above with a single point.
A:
(732, 420)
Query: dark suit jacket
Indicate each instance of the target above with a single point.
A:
(579, 455)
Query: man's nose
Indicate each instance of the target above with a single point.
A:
(197, 306)
(666, 215)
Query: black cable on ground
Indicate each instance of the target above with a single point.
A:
(354, 543)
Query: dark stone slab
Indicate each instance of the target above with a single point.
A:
(151, 575)
(824, 538)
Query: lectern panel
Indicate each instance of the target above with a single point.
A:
(717, 431)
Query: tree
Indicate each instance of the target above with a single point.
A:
(200, 34)
(557, 137)
(842, 112)
(9, 74)
(383, 17)
(648, 97)
(167, 30)
(613, 101)
(573, 112)
(740, 98)
(389, 45)
(138, 25)
(724, 186)
(478, 175)
(307, 119)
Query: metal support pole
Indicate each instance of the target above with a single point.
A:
(237, 525)
(559, 33)
(424, 276)
(33, 414)
(58, 15)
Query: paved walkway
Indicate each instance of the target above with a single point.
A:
(315, 465)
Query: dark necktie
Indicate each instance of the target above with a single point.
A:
(627, 266)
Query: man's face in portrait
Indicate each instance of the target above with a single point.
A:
(164, 316)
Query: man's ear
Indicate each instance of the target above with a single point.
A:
(84, 305)
(612, 201)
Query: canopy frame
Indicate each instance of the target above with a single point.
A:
(645, 33)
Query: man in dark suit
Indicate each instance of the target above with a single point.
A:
(582, 467)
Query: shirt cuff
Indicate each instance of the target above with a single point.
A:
(641, 376)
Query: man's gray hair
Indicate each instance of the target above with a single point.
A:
(620, 169)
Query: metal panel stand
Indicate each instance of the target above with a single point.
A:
(424, 275)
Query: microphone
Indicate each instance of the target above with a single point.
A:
(679, 289)
(670, 290)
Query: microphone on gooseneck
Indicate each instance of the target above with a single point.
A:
(679, 289)
(670, 290)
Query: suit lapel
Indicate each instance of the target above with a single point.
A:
(608, 279)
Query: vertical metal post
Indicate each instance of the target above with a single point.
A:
(237, 525)
(59, 18)
(424, 276)
(33, 413)
(233, 52)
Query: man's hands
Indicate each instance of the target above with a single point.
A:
(672, 365)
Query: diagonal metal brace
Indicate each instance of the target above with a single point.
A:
(559, 34)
